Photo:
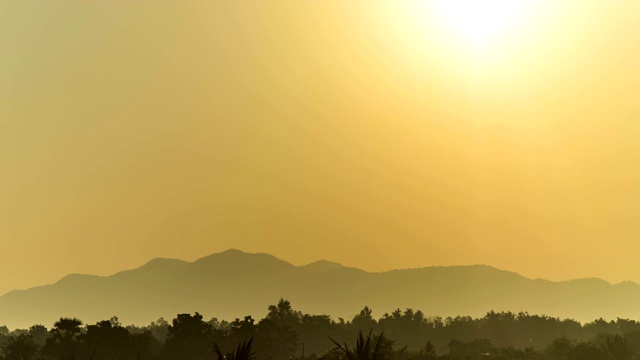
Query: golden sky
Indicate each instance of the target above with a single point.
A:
(379, 134)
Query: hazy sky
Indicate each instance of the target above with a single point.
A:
(379, 134)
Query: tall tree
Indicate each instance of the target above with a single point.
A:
(107, 340)
(277, 333)
(63, 343)
(189, 338)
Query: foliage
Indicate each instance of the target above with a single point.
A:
(369, 348)
(189, 338)
(64, 342)
(287, 334)
(20, 347)
(242, 352)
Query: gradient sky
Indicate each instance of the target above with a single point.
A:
(373, 133)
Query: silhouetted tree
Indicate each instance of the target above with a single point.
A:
(39, 335)
(586, 350)
(20, 347)
(428, 352)
(159, 329)
(107, 340)
(189, 338)
(313, 332)
(559, 349)
(285, 332)
(63, 343)
(276, 334)
(615, 347)
(241, 330)
(364, 319)
(144, 345)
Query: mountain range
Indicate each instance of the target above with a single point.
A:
(232, 284)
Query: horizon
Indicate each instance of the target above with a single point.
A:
(318, 261)
(468, 291)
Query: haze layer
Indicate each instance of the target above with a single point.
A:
(356, 131)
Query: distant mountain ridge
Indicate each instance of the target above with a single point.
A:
(232, 284)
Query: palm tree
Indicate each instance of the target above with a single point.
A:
(369, 348)
(242, 352)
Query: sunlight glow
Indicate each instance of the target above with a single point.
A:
(482, 21)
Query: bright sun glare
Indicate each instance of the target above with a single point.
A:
(482, 21)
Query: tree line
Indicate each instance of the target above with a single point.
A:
(287, 334)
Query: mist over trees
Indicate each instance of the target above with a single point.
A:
(285, 333)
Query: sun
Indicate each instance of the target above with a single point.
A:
(480, 22)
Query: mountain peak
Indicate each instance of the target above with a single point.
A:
(322, 265)
(163, 263)
(232, 251)
(234, 262)
(237, 255)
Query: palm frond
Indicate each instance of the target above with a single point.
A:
(369, 348)
(242, 352)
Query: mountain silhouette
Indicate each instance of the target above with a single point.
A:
(233, 284)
